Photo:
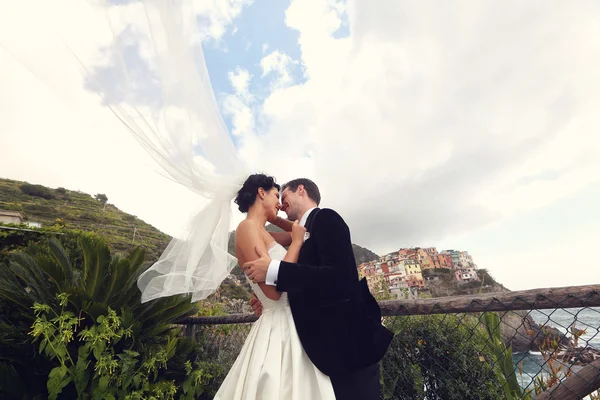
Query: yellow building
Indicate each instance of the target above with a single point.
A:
(413, 270)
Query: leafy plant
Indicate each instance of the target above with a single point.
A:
(505, 369)
(555, 370)
(93, 283)
(117, 374)
(101, 279)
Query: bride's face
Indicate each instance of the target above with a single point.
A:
(271, 203)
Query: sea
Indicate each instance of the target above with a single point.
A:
(562, 319)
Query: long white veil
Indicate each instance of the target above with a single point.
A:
(188, 138)
(180, 127)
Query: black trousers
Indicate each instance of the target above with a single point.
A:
(360, 385)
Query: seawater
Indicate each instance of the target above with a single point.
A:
(562, 319)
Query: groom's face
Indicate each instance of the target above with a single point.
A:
(290, 204)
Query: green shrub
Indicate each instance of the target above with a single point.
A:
(13, 206)
(39, 209)
(118, 372)
(439, 357)
(17, 240)
(101, 198)
(36, 190)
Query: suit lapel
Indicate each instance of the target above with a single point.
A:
(310, 219)
(307, 252)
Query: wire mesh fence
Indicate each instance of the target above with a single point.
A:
(518, 345)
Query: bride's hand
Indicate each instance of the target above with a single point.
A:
(298, 232)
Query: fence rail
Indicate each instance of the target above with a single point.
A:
(460, 347)
(533, 299)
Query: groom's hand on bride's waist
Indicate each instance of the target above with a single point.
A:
(257, 269)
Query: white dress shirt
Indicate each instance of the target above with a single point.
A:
(273, 270)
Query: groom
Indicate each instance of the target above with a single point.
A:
(337, 319)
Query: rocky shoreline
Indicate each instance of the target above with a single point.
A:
(521, 332)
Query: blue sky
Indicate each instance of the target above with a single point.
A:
(261, 24)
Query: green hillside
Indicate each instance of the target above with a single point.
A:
(363, 255)
(81, 211)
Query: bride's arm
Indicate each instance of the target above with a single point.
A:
(283, 238)
(248, 239)
(284, 224)
(293, 251)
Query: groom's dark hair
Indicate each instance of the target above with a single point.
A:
(311, 188)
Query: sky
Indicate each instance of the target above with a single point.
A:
(459, 125)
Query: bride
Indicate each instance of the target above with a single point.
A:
(272, 363)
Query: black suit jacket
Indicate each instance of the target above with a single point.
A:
(337, 319)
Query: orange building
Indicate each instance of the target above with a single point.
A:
(442, 261)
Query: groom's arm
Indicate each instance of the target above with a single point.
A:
(332, 238)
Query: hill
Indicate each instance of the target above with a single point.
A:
(362, 254)
(81, 211)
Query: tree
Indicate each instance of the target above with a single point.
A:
(382, 290)
(101, 197)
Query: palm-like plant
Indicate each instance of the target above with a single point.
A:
(101, 280)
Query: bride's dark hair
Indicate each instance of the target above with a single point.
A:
(247, 194)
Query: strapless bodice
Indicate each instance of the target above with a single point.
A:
(276, 252)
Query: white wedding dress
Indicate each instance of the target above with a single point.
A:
(272, 364)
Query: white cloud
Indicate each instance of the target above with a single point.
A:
(240, 81)
(279, 64)
(238, 105)
(219, 14)
(565, 263)
(241, 115)
(423, 100)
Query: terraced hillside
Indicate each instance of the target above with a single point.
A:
(79, 210)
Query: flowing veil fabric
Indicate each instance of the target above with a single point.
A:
(180, 126)
(188, 138)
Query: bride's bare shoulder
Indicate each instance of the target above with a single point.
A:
(246, 225)
(247, 228)
(248, 236)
